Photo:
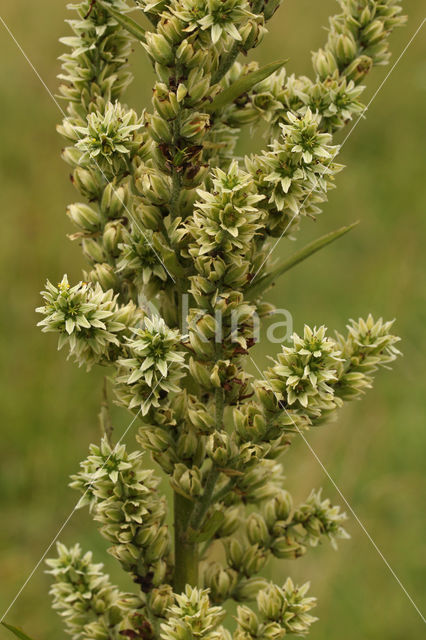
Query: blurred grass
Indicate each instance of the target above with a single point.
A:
(376, 450)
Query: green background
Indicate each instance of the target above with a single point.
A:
(375, 451)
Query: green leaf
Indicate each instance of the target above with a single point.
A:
(168, 256)
(127, 23)
(17, 632)
(208, 529)
(267, 280)
(244, 84)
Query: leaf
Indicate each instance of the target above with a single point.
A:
(127, 23)
(168, 256)
(267, 280)
(244, 84)
(17, 632)
(208, 529)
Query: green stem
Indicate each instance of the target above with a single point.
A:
(186, 553)
(226, 63)
(202, 506)
(224, 491)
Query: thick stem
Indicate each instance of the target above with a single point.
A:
(186, 553)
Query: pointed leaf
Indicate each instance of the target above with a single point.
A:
(244, 84)
(267, 280)
(17, 632)
(127, 23)
(208, 529)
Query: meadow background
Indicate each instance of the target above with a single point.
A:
(375, 451)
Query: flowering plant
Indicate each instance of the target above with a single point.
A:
(173, 216)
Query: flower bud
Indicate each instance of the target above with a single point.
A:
(84, 216)
(159, 546)
(278, 508)
(159, 128)
(373, 32)
(155, 439)
(112, 237)
(270, 7)
(71, 156)
(200, 374)
(113, 201)
(105, 275)
(247, 620)
(234, 553)
(219, 448)
(154, 185)
(92, 250)
(67, 130)
(252, 33)
(171, 28)
(267, 398)
(198, 86)
(159, 48)
(253, 560)
(195, 126)
(165, 101)
(187, 481)
(166, 460)
(194, 174)
(284, 548)
(359, 68)
(129, 314)
(271, 602)
(191, 57)
(230, 524)
(201, 346)
(324, 63)
(182, 92)
(345, 48)
(221, 582)
(160, 599)
(149, 215)
(187, 445)
(248, 589)
(159, 571)
(86, 182)
(257, 531)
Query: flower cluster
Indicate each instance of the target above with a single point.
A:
(368, 346)
(153, 367)
(226, 219)
(357, 40)
(168, 210)
(313, 378)
(109, 137)
(304, 371)
(193, 617)
(282, 610)
(100, 48)
(296, 172)
(123, 498)
(318, 517)
(220, 17)
(90, 605)
(139, 262)
(89, 321)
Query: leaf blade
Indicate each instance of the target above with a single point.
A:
(17, 632)
(242, 85)
(311, 248)
(127, 23)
